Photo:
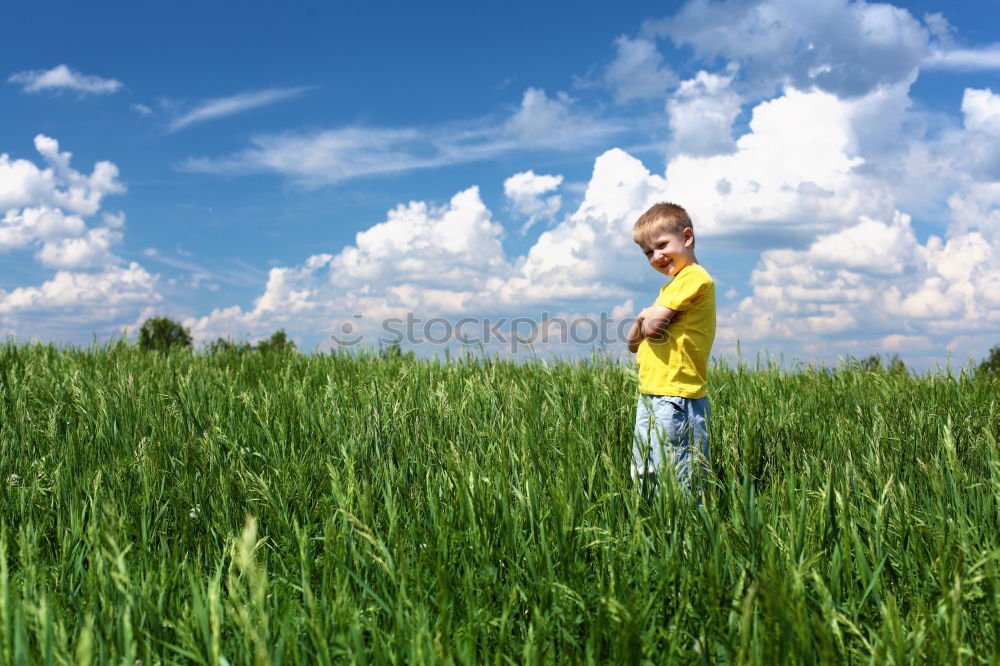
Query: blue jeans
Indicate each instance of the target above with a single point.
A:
(671, 437)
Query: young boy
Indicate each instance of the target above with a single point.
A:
(673, 338)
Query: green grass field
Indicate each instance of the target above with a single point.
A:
(286, 508)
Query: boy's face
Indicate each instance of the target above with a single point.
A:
(668, 251)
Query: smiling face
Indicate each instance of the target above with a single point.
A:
(669, 251)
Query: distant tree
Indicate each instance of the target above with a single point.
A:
(872, 363)
(394, 350)
(990, 366)
(895, 365)
(278, 342)
(227, 346)
(892, 364)
(163, 333)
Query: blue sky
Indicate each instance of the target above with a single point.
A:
(838, 159)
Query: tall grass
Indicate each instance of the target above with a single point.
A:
(282, 508)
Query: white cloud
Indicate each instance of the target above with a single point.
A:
(841, 269)
(101, 295)
(942, 31)
(589, 255)
(525, 192)
(333, 156)
(982, 111)
(820, 185)
(47, 210)
(62, 77)
(976, 207)
(92, 250)
(141, 109)
(982, 59)
(228, 106)
(871, 247)
(21, 228)
(60, 186)
(875, 284)
(905, 343)
(449, 260)
(432, 259)
(327, 157)
(792, 161)
(435, 246)
(842, 47)
(793, 175)
(551, 122)
(702, 111)
(977, 149)
(637, 71)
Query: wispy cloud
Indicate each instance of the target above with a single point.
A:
(332, 156)
(242, 275)
(987, 58)
(227, 106)
(62, 77)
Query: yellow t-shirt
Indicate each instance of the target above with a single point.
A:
(678, 364)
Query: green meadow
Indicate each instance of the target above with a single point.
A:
(282, 508)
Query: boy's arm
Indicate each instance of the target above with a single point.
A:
(650, 323)
(654, 321)
(635, 335)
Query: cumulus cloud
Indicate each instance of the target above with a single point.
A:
(99, 295)
(227, 106)
(434, 246)
(702, 111)
(22, 228)
(524, 192)
(976, 207)
(55, 211)
(45, 209)
(793, 175)
(637, 71)
(332, 156)
(874, 284)
(865, 280)
(432, 259)
(92, 250)
(839, 46)
(821, 185)
(841, 268)
(589, 256)
(449, 260)
(927, 167)
(24, 184)
(982, 111)
(62, 77)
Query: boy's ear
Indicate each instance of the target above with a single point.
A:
(688, 236)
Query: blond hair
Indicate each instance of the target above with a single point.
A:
(662, 216)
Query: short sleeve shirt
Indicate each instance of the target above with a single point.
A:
(678, 364)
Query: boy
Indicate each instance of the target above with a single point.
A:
(673, 339)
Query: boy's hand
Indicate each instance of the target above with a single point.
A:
(645, 313)
(653, 321)
(635, 334)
